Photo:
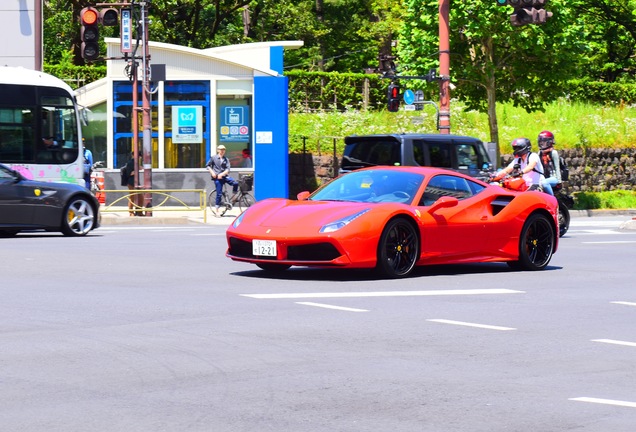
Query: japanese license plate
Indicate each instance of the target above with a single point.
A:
(264, 247)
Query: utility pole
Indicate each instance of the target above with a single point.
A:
(444, 68)
(146, 119)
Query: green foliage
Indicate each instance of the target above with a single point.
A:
(618, 199)
(75, 76)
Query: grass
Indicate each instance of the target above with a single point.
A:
(574, 124)
(617, 199)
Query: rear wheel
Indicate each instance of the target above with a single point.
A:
(245, 201)
(564, 219)
(398, 249)
(78, 218)
(273, 267)
(536, 244)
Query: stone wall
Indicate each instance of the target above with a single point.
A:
(591, 170)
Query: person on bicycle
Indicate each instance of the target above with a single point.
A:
(219, 168)
(550, 161)
(525, 164)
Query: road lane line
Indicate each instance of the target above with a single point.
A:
(605, 401)
(624, 303)
(326, 306)
(382, 294)
(466, 324)
(615, 342)
(610, 242)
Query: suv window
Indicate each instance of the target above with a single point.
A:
(371, 152)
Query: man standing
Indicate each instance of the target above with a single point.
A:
(219, 168)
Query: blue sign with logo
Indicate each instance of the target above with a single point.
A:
(187, 124)
(235, 124)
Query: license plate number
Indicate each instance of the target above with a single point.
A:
(264, 247)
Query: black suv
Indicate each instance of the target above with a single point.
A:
(459, 153)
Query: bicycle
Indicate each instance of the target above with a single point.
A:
(243, 198)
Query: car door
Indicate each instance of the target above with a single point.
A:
(456, 232)
(14, 208)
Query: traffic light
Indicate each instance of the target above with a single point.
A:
(109, 17)
(527, 11)
(89, 18)
(393, 97)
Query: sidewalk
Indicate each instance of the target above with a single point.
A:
(170, 217)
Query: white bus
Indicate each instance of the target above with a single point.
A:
(40, 133)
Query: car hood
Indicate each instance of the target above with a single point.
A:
(278, 213)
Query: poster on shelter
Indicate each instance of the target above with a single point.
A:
(234, 125)
(187, 124)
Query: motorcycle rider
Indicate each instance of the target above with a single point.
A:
(550, 161)
(526, 164)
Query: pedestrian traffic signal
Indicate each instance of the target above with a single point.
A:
(527, 11)
(89, 18)
(393, 98)
(109, 17)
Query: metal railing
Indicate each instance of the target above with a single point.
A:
(165, 201)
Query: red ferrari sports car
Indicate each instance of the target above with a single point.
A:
(395, 218)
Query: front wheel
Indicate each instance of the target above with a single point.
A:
(564, 219)
(223, 207)
(78, 218)
(245, 201)
(536, 244)
(398, 249)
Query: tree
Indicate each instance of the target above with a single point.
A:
(491, 60)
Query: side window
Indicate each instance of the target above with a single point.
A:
(447, 185)
(466, 156)
(440, 156)
(418, 152)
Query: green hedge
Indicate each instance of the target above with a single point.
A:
(309, 91)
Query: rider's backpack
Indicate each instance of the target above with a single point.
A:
(565, 172)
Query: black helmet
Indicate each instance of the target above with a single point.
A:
(521, 146)
(545, 140)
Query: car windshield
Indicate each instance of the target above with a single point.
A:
(371, 186)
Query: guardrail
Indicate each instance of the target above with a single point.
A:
(165, 199)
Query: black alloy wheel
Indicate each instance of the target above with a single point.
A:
(536, 244)
(398, 249)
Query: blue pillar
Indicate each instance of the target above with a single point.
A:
(271, 137)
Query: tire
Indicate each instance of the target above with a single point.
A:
(564, 219)
(275, 268)
(536, 244)
(78, 217)
(245, 201)
(223, 208)
(398, 249)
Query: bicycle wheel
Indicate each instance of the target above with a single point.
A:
(245, 201)
(212, 200)
(224, 206)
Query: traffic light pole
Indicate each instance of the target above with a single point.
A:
(444, 68)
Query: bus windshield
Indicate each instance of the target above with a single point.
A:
(39, 129)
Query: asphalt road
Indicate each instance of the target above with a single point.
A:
(151, 328)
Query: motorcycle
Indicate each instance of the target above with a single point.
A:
(515, 182)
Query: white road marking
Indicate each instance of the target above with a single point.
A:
(326, 306)
(624, 303)
(461, 323)
(610, 242)
(615, 342)
(605, 401)
(382, 294)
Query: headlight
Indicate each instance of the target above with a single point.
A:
(238, 220)
(341, 223)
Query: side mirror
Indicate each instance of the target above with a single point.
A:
(302, 196)
(443, 202)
